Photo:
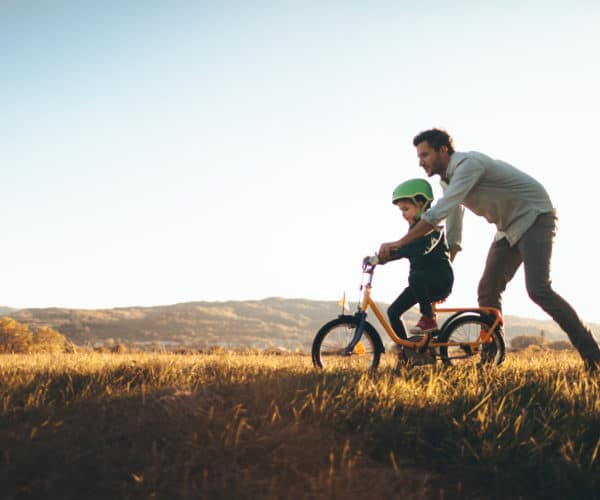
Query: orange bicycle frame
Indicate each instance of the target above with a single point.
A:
(427, 341)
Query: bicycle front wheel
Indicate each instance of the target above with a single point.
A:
(329, 349)
(464, 330)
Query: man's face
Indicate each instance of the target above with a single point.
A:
(433, 162)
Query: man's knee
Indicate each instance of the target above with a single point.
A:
(541, 294)
(488, 295)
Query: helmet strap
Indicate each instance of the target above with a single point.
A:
(422, 208)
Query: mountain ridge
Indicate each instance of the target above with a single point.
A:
(273, 321)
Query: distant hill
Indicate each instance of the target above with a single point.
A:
(289, 323)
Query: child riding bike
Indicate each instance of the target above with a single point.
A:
(430, 277)
(468, 335)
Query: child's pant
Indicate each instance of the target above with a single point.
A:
(424, 287)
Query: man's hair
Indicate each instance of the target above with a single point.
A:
(436, 138)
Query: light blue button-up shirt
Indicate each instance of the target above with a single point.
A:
(503, 194)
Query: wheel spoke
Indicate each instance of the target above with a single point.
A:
(330, 347)
(463, 333)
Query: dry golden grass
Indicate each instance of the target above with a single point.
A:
(253, 426)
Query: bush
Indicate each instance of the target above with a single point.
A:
(48, 340)
(524, 341)
(14, 336)
(119, 348)
(560, 345)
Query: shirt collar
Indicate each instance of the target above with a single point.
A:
(455, 160)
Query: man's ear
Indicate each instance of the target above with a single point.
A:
(444, 149)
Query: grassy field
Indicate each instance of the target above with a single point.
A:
(102, 426)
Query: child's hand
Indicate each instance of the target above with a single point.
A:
(370, 260)
(385, 252)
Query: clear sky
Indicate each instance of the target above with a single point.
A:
(159, 152)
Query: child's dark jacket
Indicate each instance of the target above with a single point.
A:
(429, 252)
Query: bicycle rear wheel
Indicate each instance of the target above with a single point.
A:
(466, 329)
(329, 349)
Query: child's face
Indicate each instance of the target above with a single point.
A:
(409, 210)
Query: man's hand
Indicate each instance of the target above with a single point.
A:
(453, 253)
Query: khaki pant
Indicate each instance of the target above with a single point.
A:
(534, 250)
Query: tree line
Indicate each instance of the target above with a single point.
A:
(16, 337)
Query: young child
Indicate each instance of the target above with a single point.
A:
(430, 277)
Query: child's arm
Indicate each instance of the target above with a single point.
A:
(422, 246)
(419, 230)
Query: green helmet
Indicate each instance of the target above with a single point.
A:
(411, 188)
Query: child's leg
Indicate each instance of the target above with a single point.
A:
(402, 304)
(440, 285)
(429, 286)
(419, 285)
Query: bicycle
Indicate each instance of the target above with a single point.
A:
(468, 335)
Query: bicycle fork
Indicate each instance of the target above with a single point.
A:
(360, 328)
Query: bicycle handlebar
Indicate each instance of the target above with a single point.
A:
(369, 263)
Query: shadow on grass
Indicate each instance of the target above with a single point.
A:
(276, 433)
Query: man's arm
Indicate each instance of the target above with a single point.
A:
(454, 224)
(418, 231)
(466, 176)
(453, 252)
(464, 179)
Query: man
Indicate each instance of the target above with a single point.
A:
(520, 208)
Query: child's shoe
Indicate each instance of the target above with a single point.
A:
(425, 324)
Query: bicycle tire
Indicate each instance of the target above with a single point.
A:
(467, 329)
(330, 342)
